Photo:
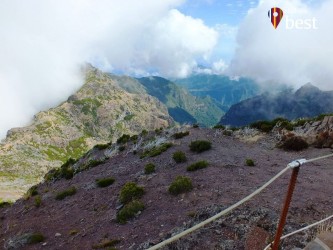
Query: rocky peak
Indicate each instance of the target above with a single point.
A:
(307, 89)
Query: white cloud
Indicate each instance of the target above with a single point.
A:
(286, 55)
(44, 42)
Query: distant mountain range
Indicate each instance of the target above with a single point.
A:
(221, 88)
(307, 101)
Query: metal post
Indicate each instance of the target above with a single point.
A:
(285, 209)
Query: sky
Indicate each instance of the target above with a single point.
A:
(44, 43)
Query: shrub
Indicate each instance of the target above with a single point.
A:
(73, 232)
(263, 126)
(106, 243)
(180, 135)
(102, 146)
(200, 146)
(197, 165)
(158, 131)
(249, 162)
(35, 238)
(294, 143)
(181, 184)
(94, 163)
(67, 192)
(129, 211)
(179, 156)
(65, 171)
(195, 125)
(219, 126)
(32, 191)
(227, 132)
(144, 132)
(149, 168)
(123, 139)
(322, 116)
(134, 138)
(38, 201)
(156, 150)
(122, 148)
(4, 203)
(105, 182)
(130, 191)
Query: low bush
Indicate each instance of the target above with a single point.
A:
(105, 182)
(219, 126)
(102, 146)
(123, 139)
(197, 165)
(93, 163)
(159, 131)
(122, 148)
(106, 243)
(179, 156)
(144, 132)
(65, 171)
(294, 143)
(200, 146)
(180, 135)
(134, 138)
(67, 192)
(181, 184)
(249, 162)
(263, 126)
(32, 191)
(35, 238)
(195, 125)
(129, 211)
(149, 168)
(4, 203)
(156, 150)
(38, 201)
(130, 191)
(227, 132)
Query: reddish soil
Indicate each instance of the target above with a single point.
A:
(92, 210)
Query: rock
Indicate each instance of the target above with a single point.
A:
(57, 235)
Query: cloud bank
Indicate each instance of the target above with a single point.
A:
(43, 43)
(291, 56)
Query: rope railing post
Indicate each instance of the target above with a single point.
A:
(286, 205)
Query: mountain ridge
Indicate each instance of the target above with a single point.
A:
(307, 101)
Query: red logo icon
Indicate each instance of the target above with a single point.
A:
(275, 14)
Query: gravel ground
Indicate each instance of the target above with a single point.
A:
(87, 218)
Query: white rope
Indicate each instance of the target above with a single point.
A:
(300, 230)
(229, 209)
(319, 158)
(201, 224)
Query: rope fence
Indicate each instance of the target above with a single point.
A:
(291, 165)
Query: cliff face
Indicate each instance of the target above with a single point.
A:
(100, 112)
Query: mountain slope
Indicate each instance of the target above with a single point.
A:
(88, 218)
(221, 88)
(308, 101)
(183, 106)
(100, 112)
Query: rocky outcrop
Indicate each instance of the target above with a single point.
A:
(318, 133)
